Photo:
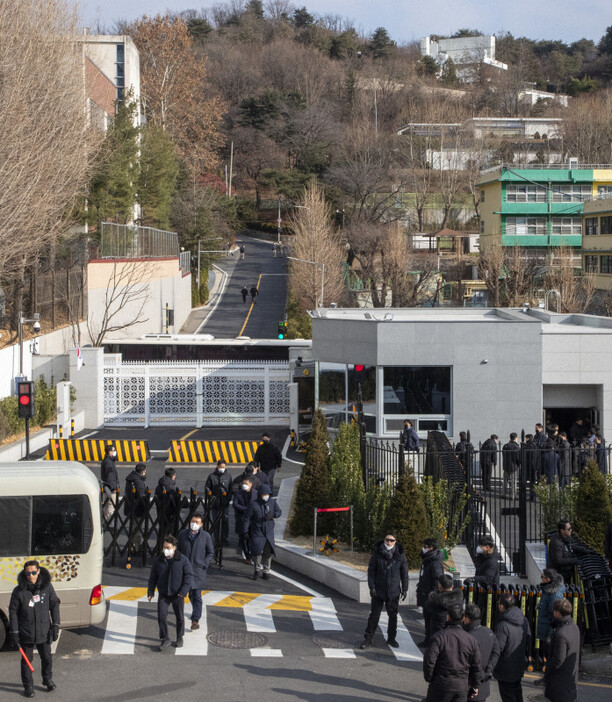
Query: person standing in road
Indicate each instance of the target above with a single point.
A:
(487, 563)
(34, 619)
(258, 524)
(218, 486)
(254, 293)
(511, 455)
(513, 636)
(437, 606)
(488, 460)
(388, 581)
(172, 575)
(135, 505)
(561, 675)
(451, 663)
(244, 292)
(487, 645)
(167, 496)
(251, 473)
(562, 551)
(552, 589)
(110, 480)
(269, 458)
(410, 438)
(196, 544)
(242, 250)
(431, 570)
(243, 496)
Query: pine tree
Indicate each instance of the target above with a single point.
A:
(158, 176)
(313, 487)
(407, 517)
(593, 507)
(346, 477)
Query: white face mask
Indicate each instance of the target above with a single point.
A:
(221, 470)
(424, 550)
(389, 546)
(168, 552)
(246, 488)
(479, 549)
(265, 498)
(195, 526)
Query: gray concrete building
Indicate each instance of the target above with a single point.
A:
(486, 370)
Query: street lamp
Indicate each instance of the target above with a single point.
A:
(314, 263)
(35, 322)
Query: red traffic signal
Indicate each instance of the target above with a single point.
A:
(25, 399)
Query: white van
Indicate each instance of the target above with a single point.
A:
(50, 512)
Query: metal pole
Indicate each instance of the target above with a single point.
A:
(20, 343)
(279, 221)
(166, 317)
(322, 283)
(27, 437)
(351, 515)
(314, 534)
(198, 269)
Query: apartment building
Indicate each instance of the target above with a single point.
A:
(597, 239)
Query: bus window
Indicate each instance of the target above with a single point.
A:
(15, 526)
(61, 524)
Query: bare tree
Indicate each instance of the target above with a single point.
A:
(315, 239)
(576, 288)
(587, 128)
(125, 298)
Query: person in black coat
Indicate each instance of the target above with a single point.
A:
(135, 504)
(172, 575)
(167, 497)
(269, 459)
(197, 545)
(410, 439)
(561, 674)
(34, 619)
(565, 461)
(219, 487)
(550, 462)
(110, 480)
(511, 460)
(488, 646)
(562, 551)
(488, 460)
(451, 663)
(258, 523)
(600, 454)
(431, 570)
(487, 563)
(246, 494)
(388, 581)
(514, 636)
(437, 605)
(464, 451)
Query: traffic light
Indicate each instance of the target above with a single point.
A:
(25, 399)
(360, 373)
(282, 330)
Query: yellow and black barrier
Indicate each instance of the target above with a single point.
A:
(94, 450)
(212, 451)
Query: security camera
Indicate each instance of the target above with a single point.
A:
(36, 326)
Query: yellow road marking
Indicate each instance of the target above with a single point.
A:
(237, 599)
(295, 603)
(250, 308)
(188, 435)
(134, 593)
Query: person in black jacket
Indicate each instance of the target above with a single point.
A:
(513, 636)
(561, 674)
(487, 645)
(167, 497)
(511, 455)
(258, 524)
(550, 462)
(252, 474)
(487, 563)
(269, 458)
(388, 581)
(246, 494)
(451, 663)
(34, 618)
(437, 605)
(410, 439)
(196, 544)
(431, 570)
(562, 552)
(488, 460)
(110, 480)
(565, 461)
(135, 504)
(465, 453)
(218, 487)
(172, 575)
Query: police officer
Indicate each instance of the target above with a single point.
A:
(34, 614)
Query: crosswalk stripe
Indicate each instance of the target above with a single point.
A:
(266, 653)
(293, 603)
(120, 634)
(259, 618)
(211, 597)
(408, 650)
(237, 599)
(339, 653)
(323, 615)
(195, 642)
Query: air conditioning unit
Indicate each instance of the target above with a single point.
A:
(572, 163)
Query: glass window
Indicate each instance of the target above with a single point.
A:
(61, 524)
(417, 390)
(590, 226)
(482, 196)
(591, 264)
(605, 264)
(567, 226)
(571, 193)
(606, 225)
(526, 226)
(15, 526)
(120, 53)
(482, 226)
(525, 193)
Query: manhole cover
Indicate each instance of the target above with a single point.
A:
(236, 639)
(340, 641)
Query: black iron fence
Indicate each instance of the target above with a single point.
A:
(135, 527)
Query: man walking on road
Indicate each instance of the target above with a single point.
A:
(218, 486)
(258, 524)
(269, 458)
(513, 636)
(242, 250)
(487, 645)
(254, 293)
(244, 292)
(196, 544)
(388, 581)
(110, 480)
(561, 675)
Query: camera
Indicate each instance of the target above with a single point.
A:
(36, 326)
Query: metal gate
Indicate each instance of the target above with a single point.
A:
(195, 393)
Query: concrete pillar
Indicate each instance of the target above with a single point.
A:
(88, 383)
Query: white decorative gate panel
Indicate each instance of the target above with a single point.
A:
(195, 393)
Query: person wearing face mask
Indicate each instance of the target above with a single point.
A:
(431, 570)
(487, 563)
(197, 545)
(167, 497)
(110, 480)
(269, 458)
(172, 575)
(258, 524)
(243, 497)
(34, 617)
(218, 486)
(388, 581)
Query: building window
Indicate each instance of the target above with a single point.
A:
(567, 226)
(482, 226)
(482, 196)
(571, 193)
(590, 226)
(606, 225)
(605, 264)
(591, 264)
(417, 390)
(120, 74)
(604, 189)
(338, 392)
(526, 226)
(525, 193)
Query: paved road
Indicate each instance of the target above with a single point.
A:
(232, 317)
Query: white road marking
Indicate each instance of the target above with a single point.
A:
(195, 642)
(323, 615)
(266, 653)
(310, 591)
(339, 653)
(211, 598)
(120, 633)
(408, 650)
(257, 617)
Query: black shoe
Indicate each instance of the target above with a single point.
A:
(265, 575)
(255, 575)
(179, 643)
(366, 643)
(28, 692)
(164, 644)
(50, 685)
(393, 643)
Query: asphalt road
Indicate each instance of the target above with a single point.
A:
(232, 317)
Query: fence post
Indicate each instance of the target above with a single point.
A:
(522, 514)
(351, 517)
(401, 465)
(314, 534)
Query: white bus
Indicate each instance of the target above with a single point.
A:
(50, 512)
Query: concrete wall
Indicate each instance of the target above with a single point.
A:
(88, 383)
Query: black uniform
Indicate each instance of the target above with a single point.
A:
(513, 636)
(431, 570)
(34, 615)
(435, 610)
(218, 485)
(561, 675)
(269, 458)
(562, 556)
(487, 569)
(173, 578)
(108, 472)
(488, 646)
(488, 460)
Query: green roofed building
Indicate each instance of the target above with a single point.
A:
(538, 207)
